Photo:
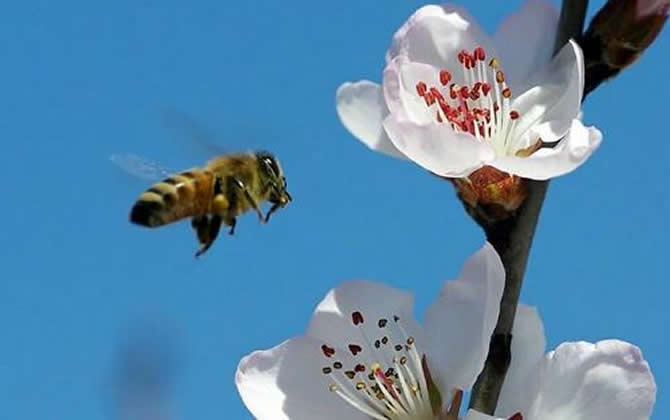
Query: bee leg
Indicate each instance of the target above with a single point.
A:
(201, 226)
(213, 228)
(250, 199)
(274, 208)
(232, 222)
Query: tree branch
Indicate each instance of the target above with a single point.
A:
(512, 238)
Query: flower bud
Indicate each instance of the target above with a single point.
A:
(652, 7)
(618, 35)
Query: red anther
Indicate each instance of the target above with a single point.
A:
(516, 416)
(486, 88)
(474, 95)
(480, 54)
(477, 86)
(445, 77)
(421, 88)
(496, 107)
(470, 61)
(444, 107)
(430, 99)
(327, 351)
(452, 91)
(513, 115)
(436, 93)
(500, 76)
(507, 92)
(355, 349)
(465, 92)
(357, 318)
(461, 56)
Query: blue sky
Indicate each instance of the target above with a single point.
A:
(82, 80)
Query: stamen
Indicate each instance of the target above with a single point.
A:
(357, 318)
(421, 88)
(478, 107)
(445, 77)
(396, 387)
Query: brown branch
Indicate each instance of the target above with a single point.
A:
(512, 238)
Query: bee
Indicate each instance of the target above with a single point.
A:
(214, 195)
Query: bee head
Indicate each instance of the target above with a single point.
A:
(271, 169)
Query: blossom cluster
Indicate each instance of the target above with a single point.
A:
(487, 113)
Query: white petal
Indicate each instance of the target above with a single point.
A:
(555, 96)
(460, 322)
(400, 80)
(583, 381)
(332, 319)
(525, 40)
(438, 149)
(568, 155)
(476, 415)
(436, 34)
(528, 347)
(362, 109)
(287, 383)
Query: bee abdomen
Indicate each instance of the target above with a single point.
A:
(184, 195)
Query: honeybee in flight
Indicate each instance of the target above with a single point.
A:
(226, 187)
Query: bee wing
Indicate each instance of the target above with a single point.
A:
(140, 167)
(188, 128)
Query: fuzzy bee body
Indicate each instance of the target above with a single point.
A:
(228, 186)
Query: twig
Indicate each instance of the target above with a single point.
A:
(512, 239)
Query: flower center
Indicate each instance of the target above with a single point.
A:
(387, 379)
(480, 107)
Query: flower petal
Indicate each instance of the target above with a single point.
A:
(436, 34)
(362, 109)
(438, 149)
(583, 381)
(555, 96)
(400, 92)
(286, 383)
(460, 322)
(528, 347)
(332, 322)
(525, 40)
(568, 155)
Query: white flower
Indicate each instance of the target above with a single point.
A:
(365, 357)
(577, 381)
(446, 104)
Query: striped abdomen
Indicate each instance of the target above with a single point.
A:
(183, 195)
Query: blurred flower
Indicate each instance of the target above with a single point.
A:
(577, 381)
(365, 357)
(446, 103)
(145, 372)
